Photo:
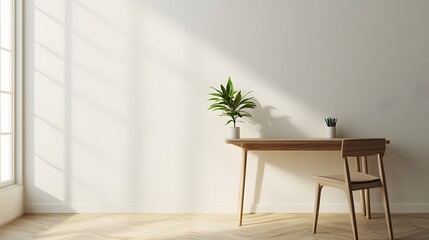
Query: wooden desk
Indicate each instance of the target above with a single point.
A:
(258, 144)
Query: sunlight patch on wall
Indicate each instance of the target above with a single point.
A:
(49, 178)
(45, 28)
(49, 101)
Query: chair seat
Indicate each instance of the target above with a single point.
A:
(354, 178)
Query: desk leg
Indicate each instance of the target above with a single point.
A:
(242, 187)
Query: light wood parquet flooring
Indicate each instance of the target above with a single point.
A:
(209, 226)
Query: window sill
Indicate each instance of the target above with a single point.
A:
(10, 188)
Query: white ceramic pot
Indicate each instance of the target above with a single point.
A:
(234, 133)
(331, 132)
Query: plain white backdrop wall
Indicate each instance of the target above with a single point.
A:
(116, 96)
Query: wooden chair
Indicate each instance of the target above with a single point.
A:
(350, 182)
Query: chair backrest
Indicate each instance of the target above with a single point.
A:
(363, 147)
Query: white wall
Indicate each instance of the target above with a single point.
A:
(116, 94)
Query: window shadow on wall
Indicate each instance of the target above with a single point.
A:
(72, 113)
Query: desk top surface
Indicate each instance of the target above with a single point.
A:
(305, 144)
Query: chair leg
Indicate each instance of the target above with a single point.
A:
(317, 205)
(387, 211)
(352, 213)
(363, 203)
(368, 204)
(366, 191)
(362, 194)
(385, 197)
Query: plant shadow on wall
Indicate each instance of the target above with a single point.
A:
(270, 124)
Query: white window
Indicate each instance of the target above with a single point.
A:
(7, 96)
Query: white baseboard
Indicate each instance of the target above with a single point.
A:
(261, 208)
(11, 203)
(338, 208)
(126, 208)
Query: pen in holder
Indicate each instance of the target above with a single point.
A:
(331, 127)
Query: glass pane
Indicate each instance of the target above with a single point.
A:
(6, 70)
(6, 113)
(6, 167)
(6, 24)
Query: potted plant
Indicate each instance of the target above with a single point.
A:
(232, 104)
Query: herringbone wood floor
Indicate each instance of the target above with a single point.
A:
(208, 226)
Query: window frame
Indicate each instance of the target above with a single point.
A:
(13, 93)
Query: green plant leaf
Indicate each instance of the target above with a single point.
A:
(230, 87)
(215, 99)
(217, 106)
(237, 100)
(229, 121)
(247, 100)
(217, 90)
(248, 105)
(224, 92)
(245, 114)
(216, 95)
